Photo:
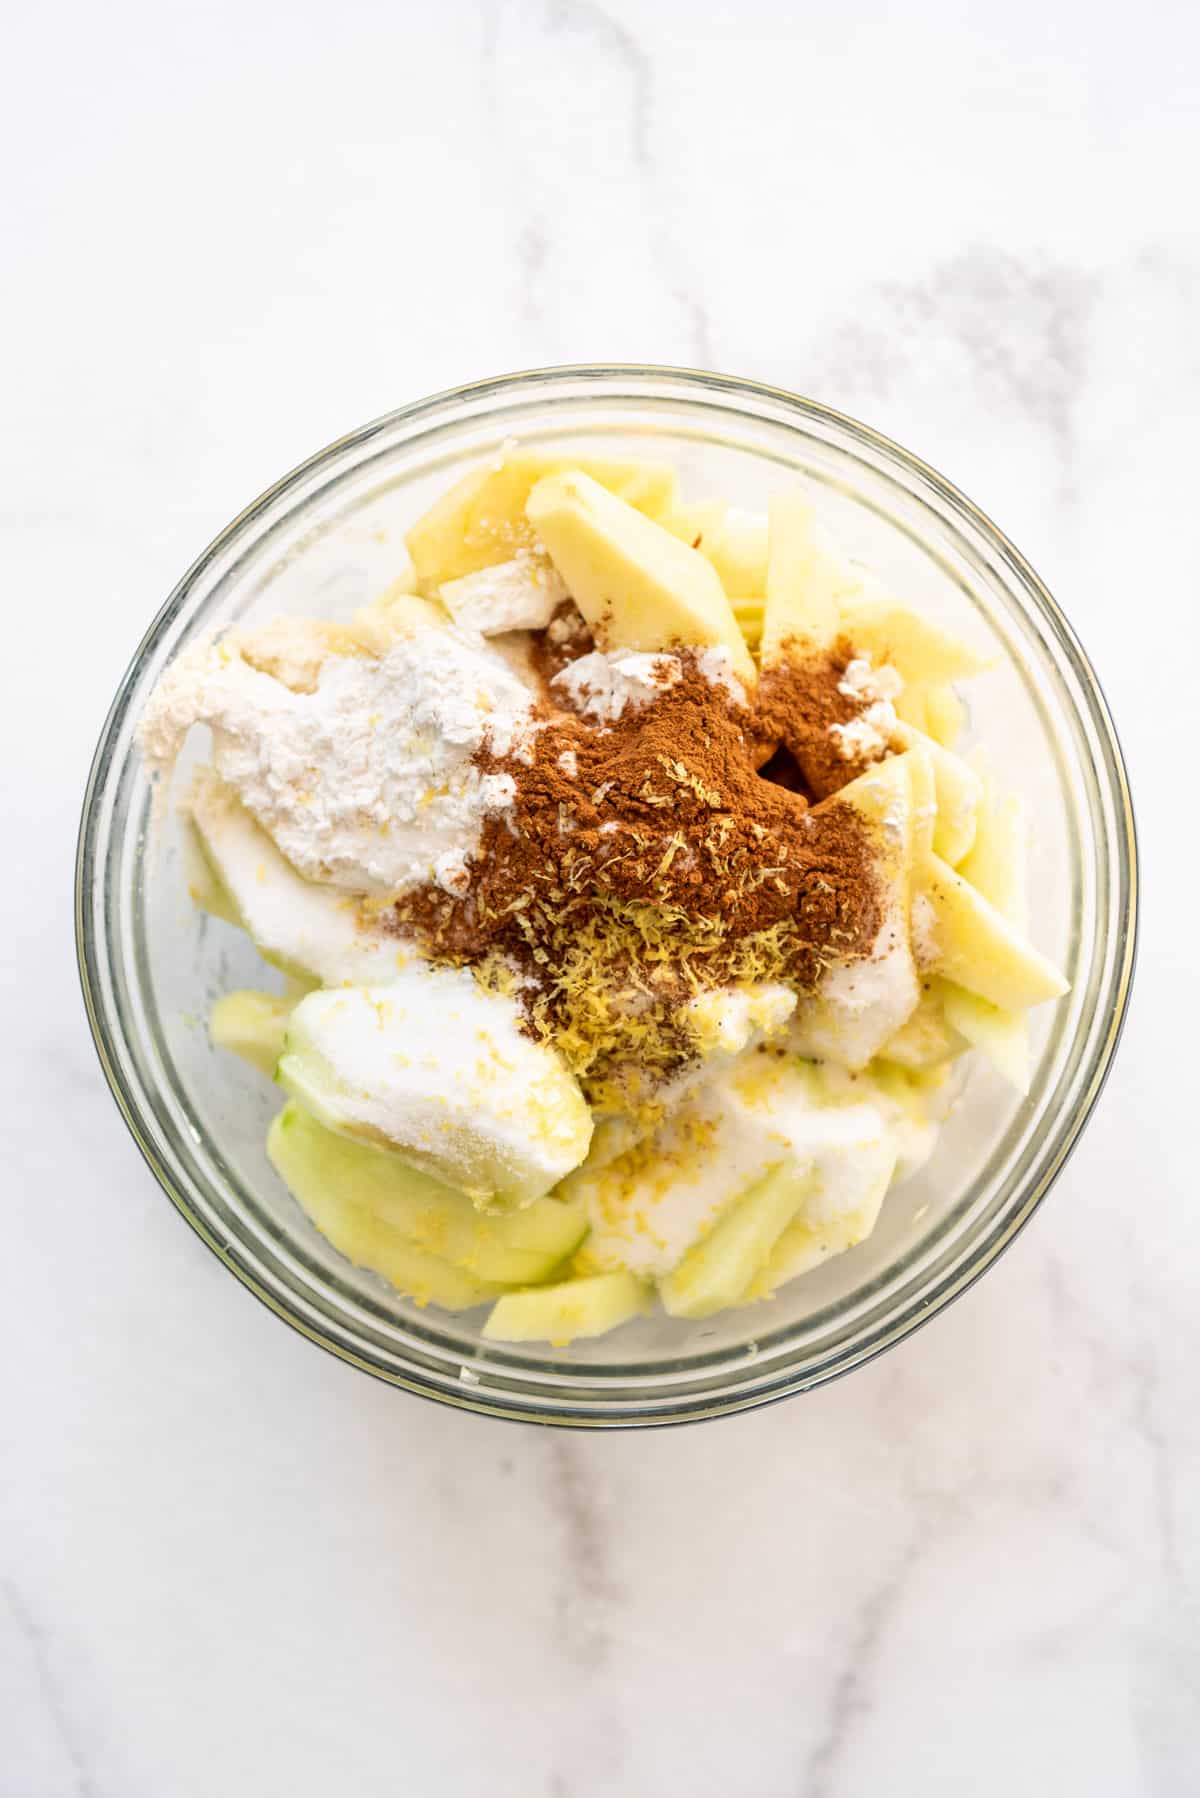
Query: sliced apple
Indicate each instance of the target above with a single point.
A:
(749, 614)
(822, 1230)
(591, 1306)
(252, 1025)
(996, 863)
(975, 946)
(807, 576)
(637, 585)
(918, 648)
(926, 1039)
(999, 1035)
(958, 790)
(996, 867)
(440, 1071)
(716, 1273)
(482, 519)
(296, 925)
(515, 1250)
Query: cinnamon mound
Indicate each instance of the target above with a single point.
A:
(643, 862)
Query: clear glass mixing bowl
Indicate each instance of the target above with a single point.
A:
(326, 539)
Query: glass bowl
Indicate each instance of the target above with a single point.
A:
(327, 538)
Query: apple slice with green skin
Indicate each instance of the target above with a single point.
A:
(638, 586)
(297, 926)
(806, 578)
(820, 1232)
(372, 1242)
(516, 1250)
(958, 789)
(716, 1273)
(591, 1306)
(440, 1071)
(974, 945)
(889, 632)
(252, 1025)
(482, 519)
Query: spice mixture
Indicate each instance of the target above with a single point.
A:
(647, 860)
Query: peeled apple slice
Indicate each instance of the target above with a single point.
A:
(928, 1038)
(372, 1242)
(638, 586)
(296, 925)
(440, 1071)
(516, 1250)
(558, 1314)
(958, 790)
(975, 946)
(1002, 1036)
(252, 1025)
(716, 1273)
(806, 577)
(996, 867)
(482, 519)
(889, 632)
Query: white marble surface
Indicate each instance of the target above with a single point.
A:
(229, 1564)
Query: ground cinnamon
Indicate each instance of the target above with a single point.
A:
(644, 861)
(799, 702)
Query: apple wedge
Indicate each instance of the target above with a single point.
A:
(638, 586)
(516, 1250)
(716, 1273)
(958, 791)
(439, 1070)
(807, 576)
(822, 1231)
(296, 925)
(591, 1306)
(974, 945)
(482, 519)
(889, 632)
(996, 867)
(371, 1242)
(252, 1025)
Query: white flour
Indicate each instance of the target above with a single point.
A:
(365, 782)
(601, 685)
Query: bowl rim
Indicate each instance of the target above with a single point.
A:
(910, 1316)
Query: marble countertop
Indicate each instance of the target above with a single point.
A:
(229, 1564)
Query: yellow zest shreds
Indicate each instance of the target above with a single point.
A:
(620, 975)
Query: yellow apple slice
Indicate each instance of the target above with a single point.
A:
(482, 519)
(516, 1250)
(1000, 1035)
(252, 1025)
(637, 585)
(889, 632)
(924, 804)
(927, 1038)
(591, 1306)
(884, 794)
(996, 867)
(749, 614)
(959, 790)
(716, 1272)
(974, 945)
(996, 862)
(807, 576)
(945, 714)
